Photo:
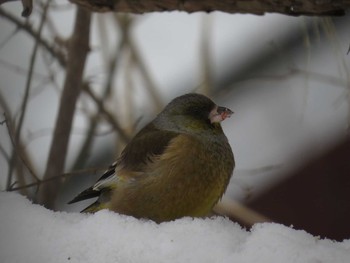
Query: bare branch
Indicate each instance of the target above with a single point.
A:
(112, 67)
(26, 97)
(27, 28)
(16, 150)
(77, 53)
(124, 23)
(21, 70)
(2, 149)
(61, 176)
(30, 74)
(19, 148)
(109, 116)
(292, 8)
(239, 212)
(206, 59)
(320, 77)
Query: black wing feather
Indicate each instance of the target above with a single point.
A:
(86, 194)
(90, 192)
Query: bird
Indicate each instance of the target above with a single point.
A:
(178, 165)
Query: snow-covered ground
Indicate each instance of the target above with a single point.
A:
(31, 233)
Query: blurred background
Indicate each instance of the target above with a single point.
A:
(286, 78)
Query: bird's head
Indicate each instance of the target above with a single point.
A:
(193, 112)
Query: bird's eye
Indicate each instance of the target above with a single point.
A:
(198, 112)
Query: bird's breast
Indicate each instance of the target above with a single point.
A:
(195, 173)
(186, 180)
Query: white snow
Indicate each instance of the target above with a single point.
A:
(31, 233)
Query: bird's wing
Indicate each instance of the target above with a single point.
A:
(107, 179)
(146, 144)
(105, 182)
(143, 148)
(140, 151)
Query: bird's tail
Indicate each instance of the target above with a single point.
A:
(86, 194)
(101, 203)
(94, 207)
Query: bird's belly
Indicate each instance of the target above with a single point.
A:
(186, 181)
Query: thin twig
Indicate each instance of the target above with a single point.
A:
(240, 212)
(129, 90)
(30, 73)
(3, 151)
(27, 28)
(20, 70)
(4, 105)
(320, 77)
(23, 153)
(150, 84)
(205, 53)
(26, 95)
(109, 116)
(15, 148)
(259, 170)
(331, 32)
(77, 172)
(8, 38)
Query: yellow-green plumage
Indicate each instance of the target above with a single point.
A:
(178, 165)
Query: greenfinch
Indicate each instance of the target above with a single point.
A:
(178, 165)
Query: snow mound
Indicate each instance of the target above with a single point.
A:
(31, 233)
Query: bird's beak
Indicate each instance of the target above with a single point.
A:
(218, 114)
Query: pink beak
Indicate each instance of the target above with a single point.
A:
(218, 114)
